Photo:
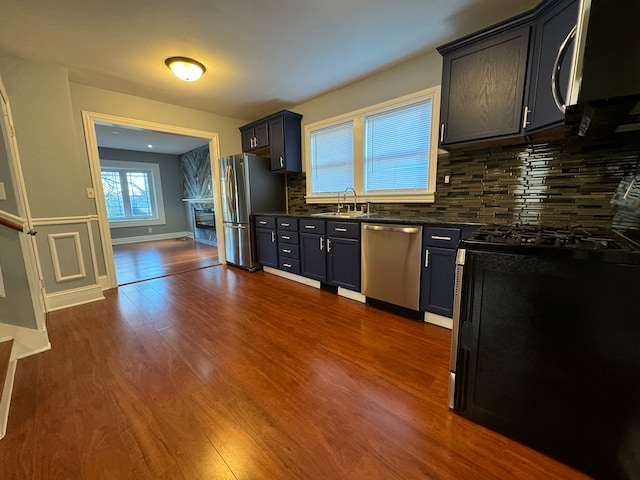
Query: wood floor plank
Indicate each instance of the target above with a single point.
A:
(221, 373)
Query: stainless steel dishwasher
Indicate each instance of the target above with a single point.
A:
(391, 263)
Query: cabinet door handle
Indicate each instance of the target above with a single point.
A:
(426, 258)
(555, 73)
(310, 226)
(442, 133)
(286, 250)
(338, 229)
(321, 243)
(328, 245)
(273, 237)
(438, 237)
(281, 162)
(525, 120)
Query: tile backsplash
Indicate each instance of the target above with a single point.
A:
(557, 183)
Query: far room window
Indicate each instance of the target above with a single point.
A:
(132, 193)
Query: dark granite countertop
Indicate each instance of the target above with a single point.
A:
(378, 218)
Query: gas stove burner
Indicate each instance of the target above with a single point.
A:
(588, 238)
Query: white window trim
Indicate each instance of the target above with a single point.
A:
(157, 182)
(357, 117)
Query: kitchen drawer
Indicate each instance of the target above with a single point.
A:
(288, 223)
(343, 229)
(312, 226)
(441, 237)
(265, 222)
(290, 265)
(289, 250)
(287, 237)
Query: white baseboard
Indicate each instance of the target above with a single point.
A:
(26, 341)
(438, 320)
(103, 281)
(70, 298)
(150, 238)
(357, 296)
(292, 276)
(5, 399)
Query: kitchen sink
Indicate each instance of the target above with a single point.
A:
(348, 214)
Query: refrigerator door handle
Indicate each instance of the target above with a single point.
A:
(230, 191)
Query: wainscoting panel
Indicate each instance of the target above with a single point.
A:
(66, 250)
(66, 254)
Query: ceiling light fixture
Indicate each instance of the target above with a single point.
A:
(185, 68)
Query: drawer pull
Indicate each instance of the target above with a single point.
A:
(262, 222)
(284, 224)
(338, 229)
(288, 265)
(286, 237)
(438, 237)
(286, 251)
(312, 227)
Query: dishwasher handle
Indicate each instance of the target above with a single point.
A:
(390, 228)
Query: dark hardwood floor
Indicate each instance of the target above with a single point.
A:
(146, 260)
(222, 374)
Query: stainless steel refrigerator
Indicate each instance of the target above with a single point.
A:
(248, 186)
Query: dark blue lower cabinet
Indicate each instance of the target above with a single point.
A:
(267, 247)
(343, 262)
(312, 256)
(438, 280)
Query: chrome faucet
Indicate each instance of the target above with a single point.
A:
(355, 197)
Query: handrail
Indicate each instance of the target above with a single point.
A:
(11, 224)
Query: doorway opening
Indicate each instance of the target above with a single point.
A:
(149, 179)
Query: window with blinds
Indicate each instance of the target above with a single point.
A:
(396, 152)
(332, 158)
(386, 152)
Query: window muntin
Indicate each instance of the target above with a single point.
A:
(132, 193)
(394, 152)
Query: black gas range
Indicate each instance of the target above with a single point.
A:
(546, 342)
(564, 241)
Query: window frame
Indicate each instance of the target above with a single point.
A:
(156, 186)
(358, 119)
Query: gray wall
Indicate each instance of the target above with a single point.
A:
(171, 179)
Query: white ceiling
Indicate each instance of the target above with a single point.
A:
(261, 55)
(140, 140)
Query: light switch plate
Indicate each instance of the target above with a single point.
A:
(3, 192)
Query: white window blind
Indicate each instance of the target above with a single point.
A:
(332, 158)
(397, 148)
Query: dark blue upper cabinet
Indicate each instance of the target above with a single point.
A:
(483, 87)
(278, 137)
(497, 83)
(553, 51)
(286, 146)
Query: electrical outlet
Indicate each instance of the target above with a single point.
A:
(447, 179)
(150, 230)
